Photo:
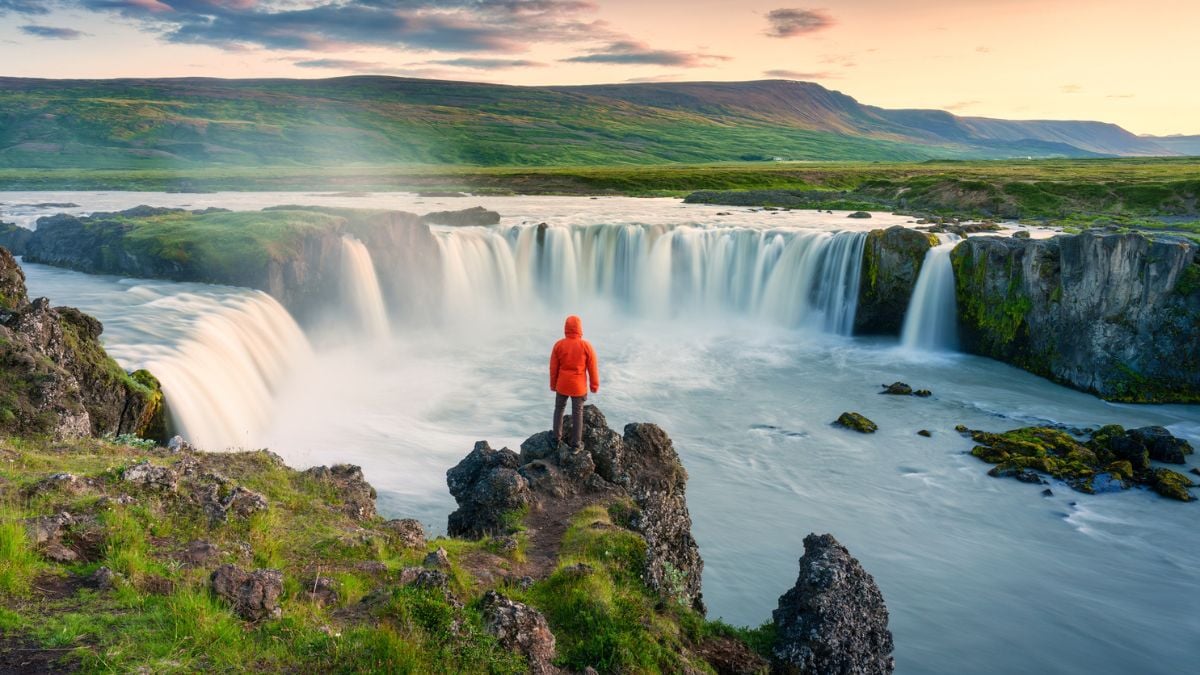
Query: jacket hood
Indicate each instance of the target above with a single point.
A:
(573, 327)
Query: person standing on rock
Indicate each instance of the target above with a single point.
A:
(573, 369)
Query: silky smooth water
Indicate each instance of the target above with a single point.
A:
(980, 575)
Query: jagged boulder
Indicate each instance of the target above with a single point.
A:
(253, 595)
(520, 628)
(834, 619)
(640, 465)
(487, 487)
(892, 260)
(1111, 313)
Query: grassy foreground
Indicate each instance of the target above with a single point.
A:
(160, 616)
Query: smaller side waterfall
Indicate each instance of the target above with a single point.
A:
(931, 323)
(220, 382)
(360, 289)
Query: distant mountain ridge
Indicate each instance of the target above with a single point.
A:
(153, 123)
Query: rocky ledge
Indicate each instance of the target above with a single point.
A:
(55, 377)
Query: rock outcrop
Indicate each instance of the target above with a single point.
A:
(474, 216)
(834, 619)
(299, 262)
(892, 260)
(640, 466)
(55, 377)
(1114, 314)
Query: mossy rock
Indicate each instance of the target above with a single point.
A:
(1171, 484)
(857, 422)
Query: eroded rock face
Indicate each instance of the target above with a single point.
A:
(60, 380)
(253, 595)
(834, 619)
(892, 260)
(520, 628)
(1114, 314)
(640, 465)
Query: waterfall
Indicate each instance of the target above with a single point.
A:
(797, 278)
(219, 382)
(360, 289)
(931, 323)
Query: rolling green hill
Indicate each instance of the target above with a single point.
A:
(194, 122)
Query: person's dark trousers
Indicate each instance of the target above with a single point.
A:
(560, 404)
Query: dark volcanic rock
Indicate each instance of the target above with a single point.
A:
(1161, 445)
(487, 487)
(897, 389)
(476, 215)
(892, 260)
(834, 619)
(1115, 314)
(253, 595)
(520, 628)
(859, 214)
(640, 465)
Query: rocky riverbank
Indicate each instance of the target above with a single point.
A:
(1112, 313)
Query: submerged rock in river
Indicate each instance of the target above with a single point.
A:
(1112, 459)
(857, 422)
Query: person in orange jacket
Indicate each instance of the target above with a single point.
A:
(572, 365)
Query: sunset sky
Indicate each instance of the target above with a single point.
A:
(1132, 63)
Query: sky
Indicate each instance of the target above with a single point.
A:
(1131, 63)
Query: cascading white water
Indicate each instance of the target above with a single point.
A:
(931, 323)
(220, 382)
(796, 278)
(360, 289)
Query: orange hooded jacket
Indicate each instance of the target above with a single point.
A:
(573, 362)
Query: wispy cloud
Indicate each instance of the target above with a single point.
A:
(798, 75)
(790, 22)
(1119, 96)
(488, 64)
(959, 105)
(503, 26)
(52, 32)
(24, 7)
(358, 67)
(629, 52)
(1070, 89)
